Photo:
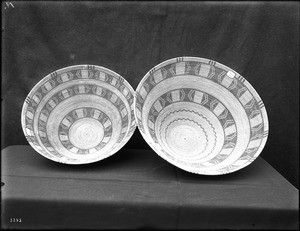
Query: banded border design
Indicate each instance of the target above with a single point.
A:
(220, 74)
(79, 113)
(56, 80)
(206, 100)
(77, 90)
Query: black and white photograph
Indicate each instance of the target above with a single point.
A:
(150, 115)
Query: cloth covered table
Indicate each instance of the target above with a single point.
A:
(136, 189)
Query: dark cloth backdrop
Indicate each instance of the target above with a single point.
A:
(258, 40)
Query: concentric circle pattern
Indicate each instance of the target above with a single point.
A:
(201, 116)
(79, 114)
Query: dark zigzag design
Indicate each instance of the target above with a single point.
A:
(191, 121)
(186, 110)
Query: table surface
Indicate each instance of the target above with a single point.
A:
(136, 189)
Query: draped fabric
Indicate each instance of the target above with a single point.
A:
(258, 40)
(136, 189)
